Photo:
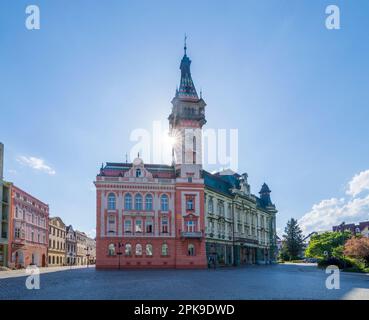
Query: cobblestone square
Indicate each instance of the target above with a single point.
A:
(253, 282)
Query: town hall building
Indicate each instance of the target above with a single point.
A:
(179, 215)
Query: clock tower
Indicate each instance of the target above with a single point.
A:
(185, 126)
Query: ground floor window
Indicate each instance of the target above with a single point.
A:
(149, 249)
(191, 249)
(128, 249)
(111, 249)
(164, 249)
(138, 249)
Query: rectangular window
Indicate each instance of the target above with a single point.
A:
(138, 226)
(111, 224)
(164, 225)
(148, 226)
(191, 226)
(190, 204)
(17, 233)
(127, 226)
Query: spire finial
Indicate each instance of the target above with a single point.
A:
(185, 44)
(126, 157)
(138, 154)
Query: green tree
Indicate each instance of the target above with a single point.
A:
(327, 244)
(293, 240)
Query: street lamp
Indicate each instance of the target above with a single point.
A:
(119, 253)
(88, 256)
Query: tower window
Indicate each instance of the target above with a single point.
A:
(138, 173)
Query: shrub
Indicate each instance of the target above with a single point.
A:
(341, 263)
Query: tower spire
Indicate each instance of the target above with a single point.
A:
(185, 44)
(187, 88)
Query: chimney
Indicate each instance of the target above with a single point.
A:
(1, 161)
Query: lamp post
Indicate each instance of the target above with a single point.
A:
(119, 253)
(88, 256)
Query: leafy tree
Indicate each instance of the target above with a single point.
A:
(327, 244)
(358, 248)
(293, 240)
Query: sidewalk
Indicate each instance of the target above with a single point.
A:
(23, 273)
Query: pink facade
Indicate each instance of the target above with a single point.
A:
(136, 216)
(28, 230)
(152, 215)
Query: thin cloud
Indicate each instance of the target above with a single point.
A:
(36, 164)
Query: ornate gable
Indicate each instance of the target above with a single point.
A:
(138, 170)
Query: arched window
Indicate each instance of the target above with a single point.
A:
(128, 249)
(148, 202)
(191, 249)
(164, 249)
(111, 201)
(111, 249)
(128, 202)
(164, 202)
(138, 249)
(138, 173)
(138, 202)
(149, 249)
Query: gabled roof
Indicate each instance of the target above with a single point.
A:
(118, 169)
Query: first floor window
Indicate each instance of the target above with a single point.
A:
(17, 233)
(138, 249)
(111, 249)
(128, 249)
(127, 226)
(164, 225)
(191, 226)
(191, 249)
(111, 223)
(210, 205)
(164, 249)
(138, 226)
(149, 249)
(148, 226)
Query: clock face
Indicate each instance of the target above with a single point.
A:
(137, 161)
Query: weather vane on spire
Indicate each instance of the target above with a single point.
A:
(185, 44)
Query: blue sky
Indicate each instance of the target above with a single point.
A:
(72, 92)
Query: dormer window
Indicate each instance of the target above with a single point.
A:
(138, 173)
